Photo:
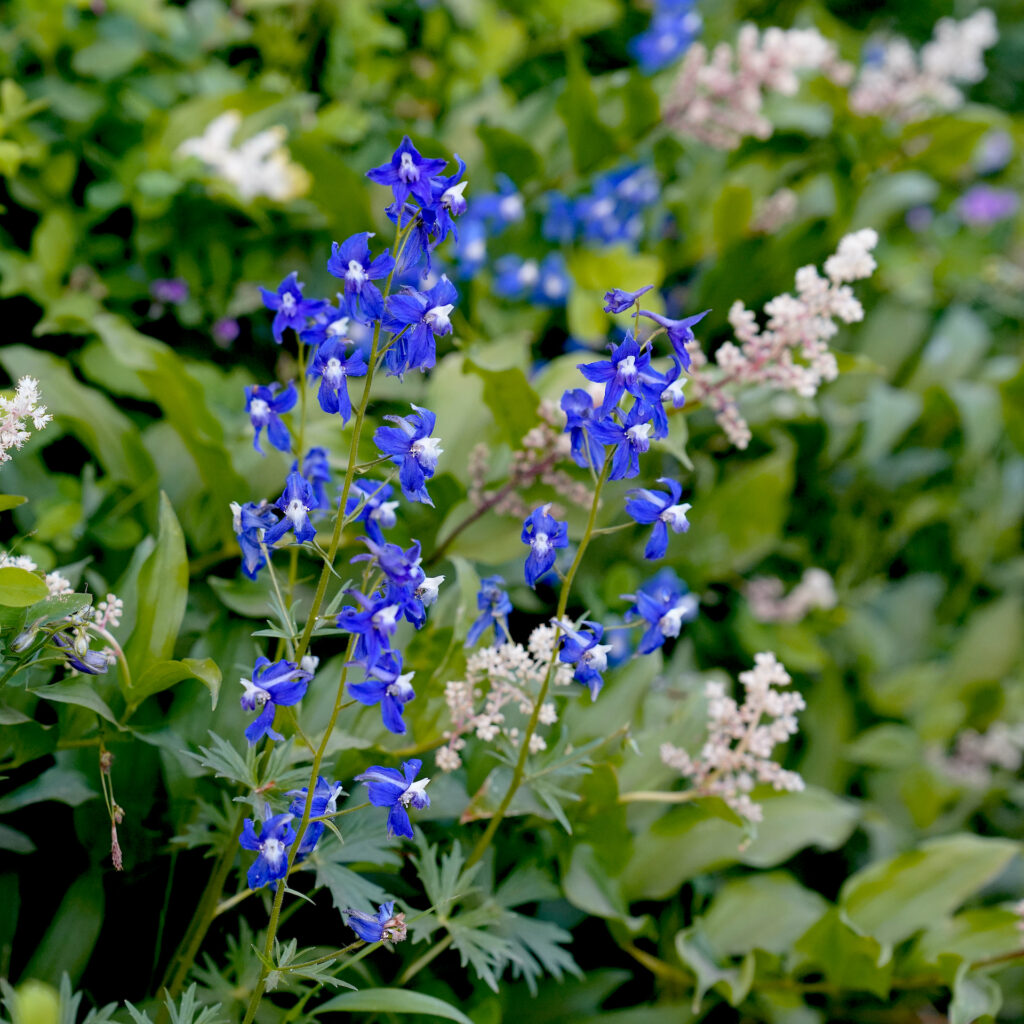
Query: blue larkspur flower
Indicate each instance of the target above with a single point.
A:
(494, 606)
(80, 658)
(631, 439)
(385, 925)
(544, 534)
(276, 835)
(325, 802)
(317, 470)
(668, 37)
(371, 504)
(385, 684)
(500, 208)
(580, 412)
(665, 603)
(674, 387)
(449, 200)
(273, 685)
(618, 301)
(420, 318)
(333, 366)
(351, 262)
(660, 510)
(264, 406)
(679, 331)
(412, 449)
(374, 622)
(407, 172)
(399, 791)
(248, 521)
(297, 501)
(583, 648)
(627, 371)
(330, 322)
(290, 308)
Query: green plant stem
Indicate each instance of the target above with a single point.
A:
(524, 750)
(417, 965)
(206, 910)
(654, 796)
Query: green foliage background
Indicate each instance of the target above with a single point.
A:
(904, 479)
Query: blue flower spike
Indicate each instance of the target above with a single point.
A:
(398, 791)
(273, 685)
(290, 308)
(408, 173)
(264, 406)
(276, 835)
(583, 648)
(662, 511)
(544, 534)
(413, 449)
(296, 503)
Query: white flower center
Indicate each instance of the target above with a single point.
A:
(426, 451)
(597, 656)
(337, 328)
(554, 286)
(626, 368)
(288, 303)
(475, 250)
(296, 511)
(639, 434)
(334, 372)
(529, 273)
(386, 618)
(259, 410)
(438, 318)
(385, 514)
(254, 696)
(674, 392)
(675, 516)
(541, 544)
(408, 171)
(236, 517)
(427, 590)
(453, 196)
(355, 274)
(511, 207)
(415, 794)
(401, 687)
(272, 850)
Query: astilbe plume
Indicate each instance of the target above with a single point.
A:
(737, 753)
(503, 677)
(798, 327)
(718, 98)
(769, 603)
(541, 449)
(908, 87)
(15, 411)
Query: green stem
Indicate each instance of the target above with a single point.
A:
(563, 600)
(181, 962)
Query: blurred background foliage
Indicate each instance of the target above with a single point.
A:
(904, 480)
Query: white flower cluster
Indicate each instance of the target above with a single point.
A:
(908, 87)
(512, 675)
(15, 411)
(107, 614)
(797, 325)
(976, 755)
(259, 166)
(718, 98)
(775, 211)
(737, 753)
(769, 603)
(55, 583)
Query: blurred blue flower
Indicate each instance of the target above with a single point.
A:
(494, 606)
(665, 603)
(264, 406)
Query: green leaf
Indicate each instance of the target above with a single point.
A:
(15, 841)
(57, 783)
(732, 982)
(509, 154)
(392, 1000)
(165, 674)
(590, 141)
(848, 959)
(60, 606)
(894, 898)
(72, 934)
(20, 588)
(162, 592)
(974, 996)
(513, 403)
(8, 501)
(76, 691)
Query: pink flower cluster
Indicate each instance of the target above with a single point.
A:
(908, 87)
(738, 752)
(15, 411)
(977, 755)
(718, 98)
(798, 328)
(769, 603)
